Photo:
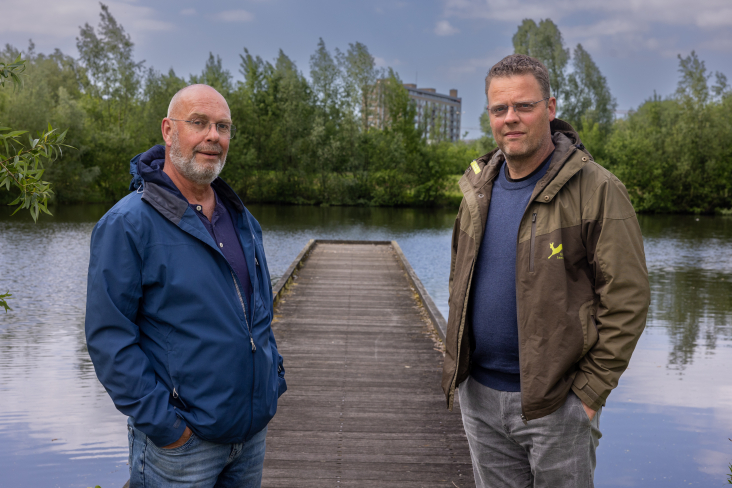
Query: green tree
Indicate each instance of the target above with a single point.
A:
(360, 76)
(215, 75)
(112, 102)
(327, 80)
(588, 100)
(693, 87)
(545, 42)
(158, 89)
(673, 154)
(115, 75)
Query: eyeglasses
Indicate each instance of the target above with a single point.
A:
(203, 126)
(521, 107)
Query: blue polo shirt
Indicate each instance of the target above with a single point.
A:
(222, 230)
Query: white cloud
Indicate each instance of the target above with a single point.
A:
(52, 19)
(701, 13)
(234, 16)
(626, 25)
(444, 28)
(478, 65)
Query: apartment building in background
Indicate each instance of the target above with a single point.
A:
(436, 111)
(437, 114)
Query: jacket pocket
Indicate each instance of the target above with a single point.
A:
(589, 327)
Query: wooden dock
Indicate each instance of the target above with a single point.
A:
(363, 360)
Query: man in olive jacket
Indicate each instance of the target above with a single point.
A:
(548, 291)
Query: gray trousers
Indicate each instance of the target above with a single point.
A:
(555, 451)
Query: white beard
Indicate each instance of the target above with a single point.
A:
(189, 168)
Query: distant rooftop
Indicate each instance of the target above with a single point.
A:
(413, 87)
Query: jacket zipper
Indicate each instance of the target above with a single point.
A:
(243, 307)
(531, 270)
(533, 236)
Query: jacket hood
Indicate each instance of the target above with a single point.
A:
(558, 125)
(147, 167)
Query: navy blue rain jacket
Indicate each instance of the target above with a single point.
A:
(166, 326)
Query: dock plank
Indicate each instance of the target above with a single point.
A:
(364, 406)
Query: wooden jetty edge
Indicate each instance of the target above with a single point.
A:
(364, 408)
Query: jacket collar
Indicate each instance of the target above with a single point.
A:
(562, 167)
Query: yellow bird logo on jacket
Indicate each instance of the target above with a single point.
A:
(556, 250)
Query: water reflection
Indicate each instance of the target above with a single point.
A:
(666, 425)
(56, 421)
(690, 266)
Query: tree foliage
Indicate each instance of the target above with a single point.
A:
(583, 95)
(544, 42)
(674, 154)
(588, 100)
(299, 140)
(307, 140)
(21, 163)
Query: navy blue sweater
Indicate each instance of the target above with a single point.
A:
(492, 306)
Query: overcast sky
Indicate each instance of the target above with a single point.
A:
(439, 44)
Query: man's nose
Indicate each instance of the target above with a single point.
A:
(213, 133)
(511, 115)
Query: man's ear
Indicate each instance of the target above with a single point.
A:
(552, 106)
(166, 127)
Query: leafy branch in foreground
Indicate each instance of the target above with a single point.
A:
(3, 303)
(21, 165)
(12, 70)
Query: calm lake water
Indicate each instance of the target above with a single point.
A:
(666, 425)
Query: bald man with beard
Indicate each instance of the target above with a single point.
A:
(179, 309)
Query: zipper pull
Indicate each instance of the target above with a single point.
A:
(255, 261)
(533, 217)
(175, 393)
(254, 348)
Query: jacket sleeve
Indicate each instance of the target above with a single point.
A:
(616, 256)
(114, 294)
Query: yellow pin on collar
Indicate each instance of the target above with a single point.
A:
(475, 166)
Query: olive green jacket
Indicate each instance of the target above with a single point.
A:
(582, 291)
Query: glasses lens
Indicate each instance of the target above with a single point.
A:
(224, 129)
(499, 109)
(199, 125)
(524, 107)
(232, 131)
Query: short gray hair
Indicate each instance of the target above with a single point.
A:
(520, 64)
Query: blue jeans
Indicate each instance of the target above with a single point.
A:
(195, 464)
